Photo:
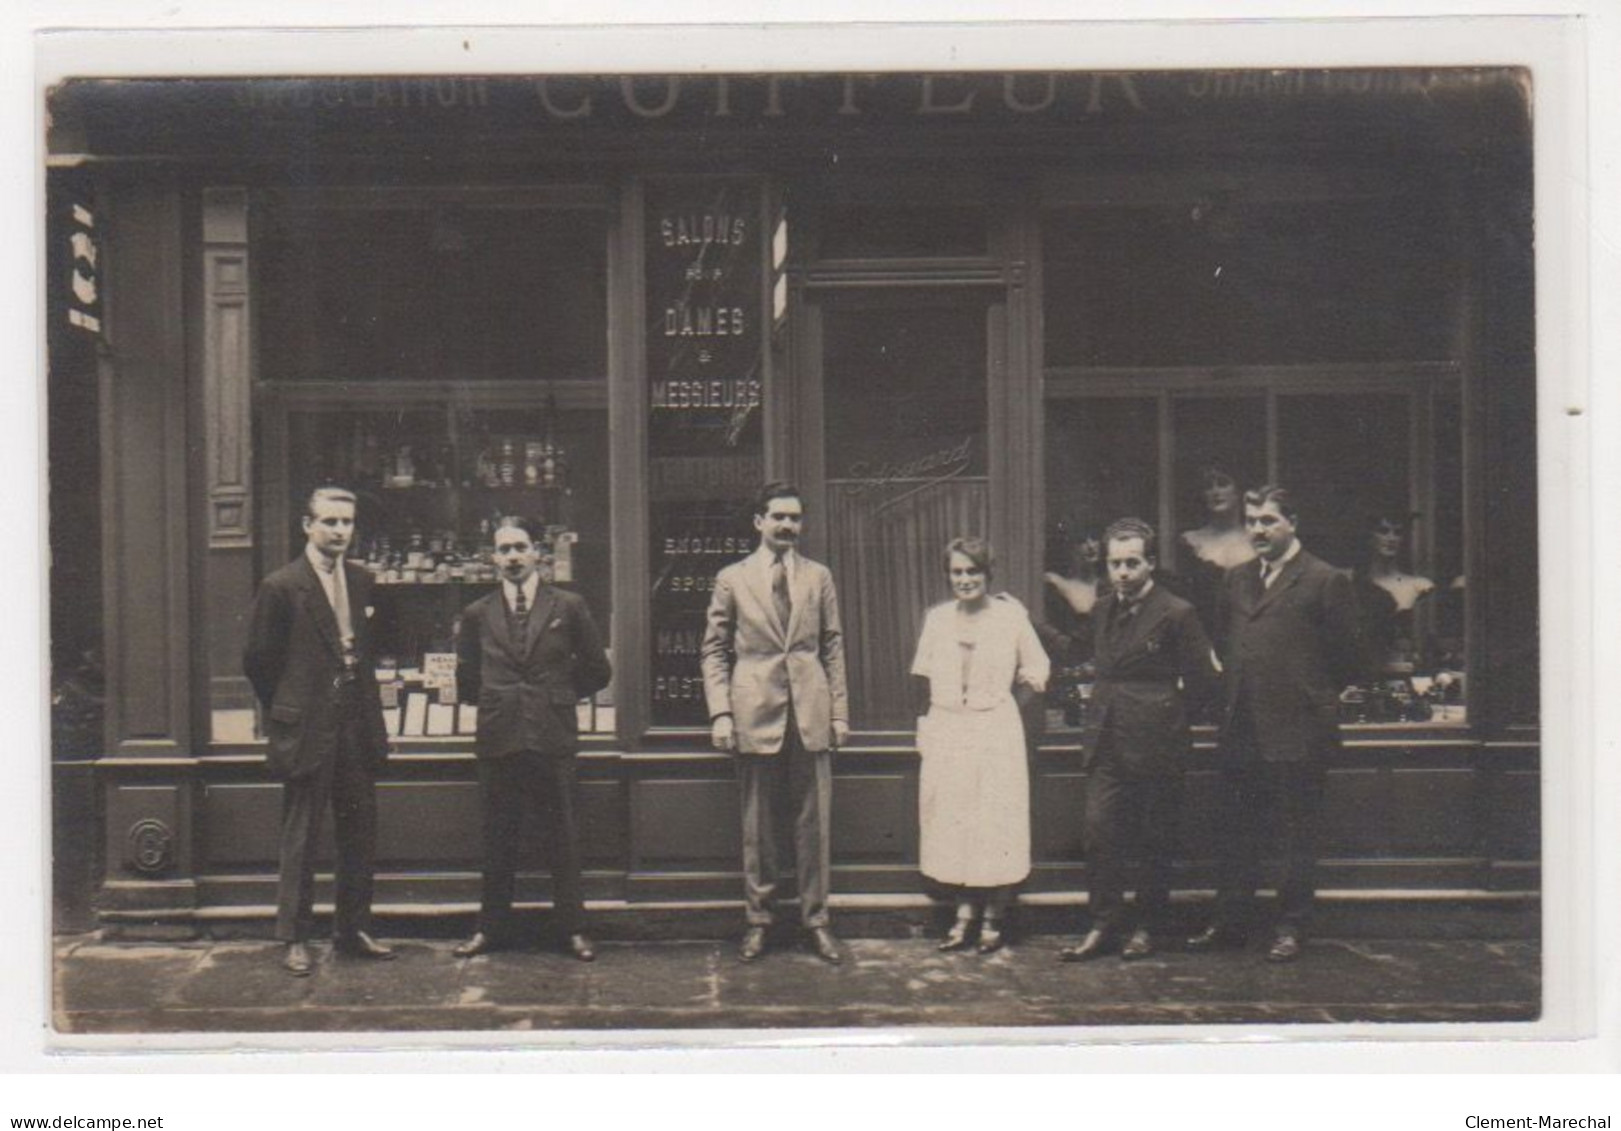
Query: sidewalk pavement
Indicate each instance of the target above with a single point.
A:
(239, 986)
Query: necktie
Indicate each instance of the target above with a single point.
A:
(1268, 572)
(518, 618)
(779, 590)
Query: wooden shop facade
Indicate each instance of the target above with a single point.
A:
(1020, 305)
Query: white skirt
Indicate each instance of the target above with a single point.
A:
(974, 796)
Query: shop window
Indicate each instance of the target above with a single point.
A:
(1375, 471)
(432, 293)
(490, 327)
(1220, 281)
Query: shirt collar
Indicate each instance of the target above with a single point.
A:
(789, 557)
(530, 587)
(1142, 594)
(1289, 555)
(323, 564)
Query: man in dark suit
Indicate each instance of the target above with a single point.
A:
(1151, 656)
(526, 655)
(309, 659)
(773, 664)
(1288, 638)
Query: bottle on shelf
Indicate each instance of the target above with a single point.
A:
(509, 463)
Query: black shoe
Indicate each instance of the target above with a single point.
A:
(297, 960)
(827, 947)
(1217, 938)
(1284, 948)
(991, 939)
(362, 945)
(957, 937)
(1095, 944)
(753, 944)
(580, 947)
(1139, 945)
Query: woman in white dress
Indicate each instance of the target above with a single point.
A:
(974, 792)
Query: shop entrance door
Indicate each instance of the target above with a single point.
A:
(903, 412)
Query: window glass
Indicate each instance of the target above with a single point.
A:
(1223, 281)
(432, 294)
(432, 485)
(1378, 499)
(904, 400)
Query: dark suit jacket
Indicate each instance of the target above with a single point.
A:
(526, 688)
(1289, 650)
(293, 659)
(1137, 705)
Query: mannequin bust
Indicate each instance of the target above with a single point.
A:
(1080, 589)
(1221, 541)
(1386, 537)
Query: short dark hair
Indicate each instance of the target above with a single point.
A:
(1273, 493)
(975, 549)
(776, 489)
(521, 522)
(1211, 471)
(330, 491)
(1133, 528)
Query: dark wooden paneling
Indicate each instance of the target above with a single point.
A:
(432, 824)
(159, 809)
(875, 818)
(1057, 815)
(144, 475)
(684, 823)
(1432, 812)
(1513, 816)
(240, 824)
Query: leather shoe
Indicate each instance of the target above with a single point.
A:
(827, 947)
(990, 937)
(1096, 944)
(957, 937)
(297, 960)
(1139, 945)
(479, 944)
(753, 944)
(362, 945)
(1284, 948)
(1216, 938)
(580, 946)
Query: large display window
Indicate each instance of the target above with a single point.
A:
(443, 355)
(1345, 391)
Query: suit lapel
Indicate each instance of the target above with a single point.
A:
(1286, 577)
(498, 619)
(801, 593)
(320, 609)
(1130, 631)
(539, 616)
(757, 574)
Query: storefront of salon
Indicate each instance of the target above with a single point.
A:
(1020, 305)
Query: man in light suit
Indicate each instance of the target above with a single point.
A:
(1152, 659)
(309, 658)
(526, 655)
(773, 664)
(1288, 637)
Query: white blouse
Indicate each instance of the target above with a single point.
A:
(974, 664)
